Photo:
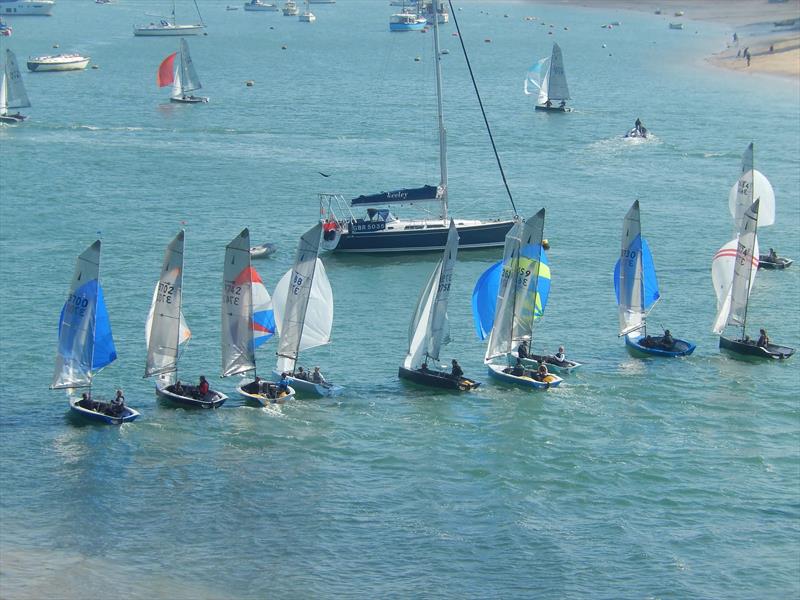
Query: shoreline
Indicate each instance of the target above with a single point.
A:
(773, 50)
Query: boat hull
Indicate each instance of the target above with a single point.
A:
(749, 350)
(679, 348)
(636, 134)
(437, 379)
(189, 99)
(554, 109)
(489, 234)
(496, 372)
(168, 31)
(764, 262)
(307, 18)
(250, 391)
(261, 8)
(407, 26)
(37, 8)
(213, 399)
(263, 250)
(12, 118)
(77, 409)
(77, 64)
(309, 388)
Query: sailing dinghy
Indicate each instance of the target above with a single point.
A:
(516, 306)
(636, 287)
(303, 304)
(12, 91)
(484, 305)
(733, 272)
(547, 80)
(85, 343)
(182, 75)
(247, 322)
(429, 327)
(166, 330)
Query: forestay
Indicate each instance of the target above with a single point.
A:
(85, 342)
(303, 303)
(165, 328)
(635, 281)
(429, 327)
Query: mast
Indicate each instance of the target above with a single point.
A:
(440, 112)
(750, 268)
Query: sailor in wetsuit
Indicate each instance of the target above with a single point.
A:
(457, 372)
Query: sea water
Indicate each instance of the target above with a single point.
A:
(634, 479)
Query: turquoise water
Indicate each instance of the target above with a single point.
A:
(635, 479)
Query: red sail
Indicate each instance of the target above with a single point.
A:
(166, 71)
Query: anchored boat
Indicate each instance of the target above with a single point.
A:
(58, 62)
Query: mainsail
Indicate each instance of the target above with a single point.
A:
(188, 75)
(635, 281)
(238, 349)
(85, 342)
(303, 303)
(12, 89)
(557, 89)
(165, 328)
(429, 327)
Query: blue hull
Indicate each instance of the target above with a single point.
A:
(406, 27)
(128, 414)
(680, 348)
(487, 235)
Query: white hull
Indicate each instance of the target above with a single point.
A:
(261, 8)
(40, 8)
(57, 63)
(263, 399)
(307, 388)
(307, 18)
(158, 30)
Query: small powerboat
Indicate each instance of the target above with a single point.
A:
(638, 132)
(772, 261)
(263, 250)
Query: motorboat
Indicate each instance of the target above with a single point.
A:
(407, 21)
(290, 9)
(676, 25)
(58, 62)
(307, 16)
(259, 6)
(263, 250)
(26, 7)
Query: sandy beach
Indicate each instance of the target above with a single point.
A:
(773, 49)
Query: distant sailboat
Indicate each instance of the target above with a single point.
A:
(85, 342)
(636, 287)
(166, 331)
(165, 26)
(733, 272)
(548, 80)
(247, 321)
(429, 327)
(303, 304)
(181, 75)
(516, 306)
(12, 91)
(307, 16)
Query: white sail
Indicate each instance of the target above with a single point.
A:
(722, 276)
(76, 363)
(189, 80)
(165, 328)
(745, 267)
(535, 77)
(177, 89)
(544, 89)
(238, 349)
(557, 89)
(303, 303)
(3, 94)
(429, 327)
(500, 336)
(527, 277)
(752, 185)
(631, 307)
(14, 88)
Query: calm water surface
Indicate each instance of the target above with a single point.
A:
(635, 479)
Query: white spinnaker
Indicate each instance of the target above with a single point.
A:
(751, 186)
(238, 350)
(165, 328)
(535, 76)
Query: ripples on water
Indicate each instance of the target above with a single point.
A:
(637, 478)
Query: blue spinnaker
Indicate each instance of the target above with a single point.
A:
(650, 291)
(484, 295)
